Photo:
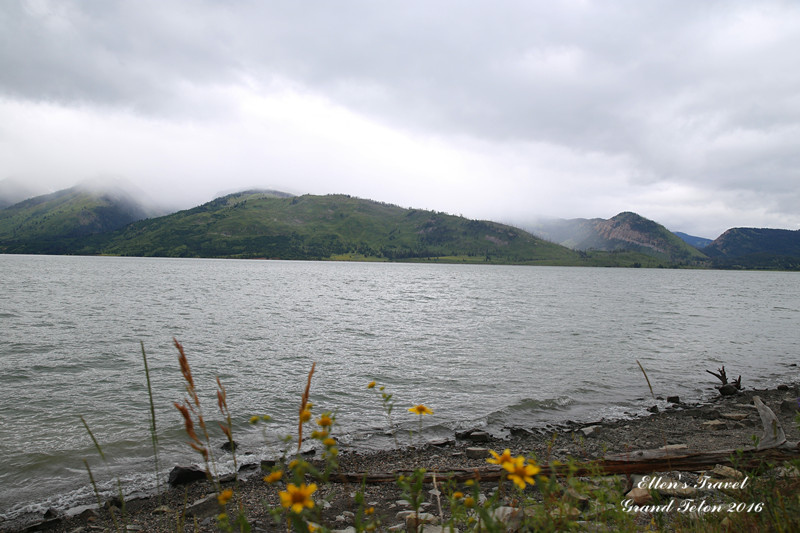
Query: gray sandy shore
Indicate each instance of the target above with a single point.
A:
(723, 423)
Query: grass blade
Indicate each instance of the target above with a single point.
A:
(94, 440)
(153, 433)
(646, 379)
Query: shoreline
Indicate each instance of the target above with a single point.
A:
(716, 424)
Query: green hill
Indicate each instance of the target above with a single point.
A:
(257, 224)
(756, 248)
(55, 223)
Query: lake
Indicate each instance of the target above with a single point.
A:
(483, 346)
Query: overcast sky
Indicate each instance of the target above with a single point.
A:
(686, 112)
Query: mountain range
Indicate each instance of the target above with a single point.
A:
(276, 225)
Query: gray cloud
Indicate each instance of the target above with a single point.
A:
(630, 98)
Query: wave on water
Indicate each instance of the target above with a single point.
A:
(546, 404)
(529, 413)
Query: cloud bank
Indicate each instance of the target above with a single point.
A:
(688, 114)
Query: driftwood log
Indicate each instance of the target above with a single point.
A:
(723, 377)
(773, 447)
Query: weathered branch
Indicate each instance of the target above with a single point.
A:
(721, 376)
(638, 462)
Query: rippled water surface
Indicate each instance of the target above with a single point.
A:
(481, 345)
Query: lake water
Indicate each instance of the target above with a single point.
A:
(485, 346)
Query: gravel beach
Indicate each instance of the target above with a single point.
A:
(723, 423)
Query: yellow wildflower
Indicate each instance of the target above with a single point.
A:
(254, 419)
(305, 415)
(420, 410)
(520, 473)
(369, 510)
(330, 441)
(458, 495)
(296, 498)
(273, 476)
(500, 459)
(371, 385)
(469, 502)
(224, 496)
(325, 421)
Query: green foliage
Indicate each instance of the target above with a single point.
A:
(327, 227)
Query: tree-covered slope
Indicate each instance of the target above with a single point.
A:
(265, 225)
(756, 248)
(53, 223)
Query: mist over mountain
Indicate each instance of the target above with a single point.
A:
(624, 232)
(14, 190)
(53, 223)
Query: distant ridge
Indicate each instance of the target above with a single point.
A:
(252, 194)
(626, 231)
(691, 240)
(756, 248)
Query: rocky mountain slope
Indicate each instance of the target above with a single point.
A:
(626, 231)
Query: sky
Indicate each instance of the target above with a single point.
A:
(685, 112)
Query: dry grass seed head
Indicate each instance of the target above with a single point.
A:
(222, 397)
(184, 362)
(304, 408)
(187, 421)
